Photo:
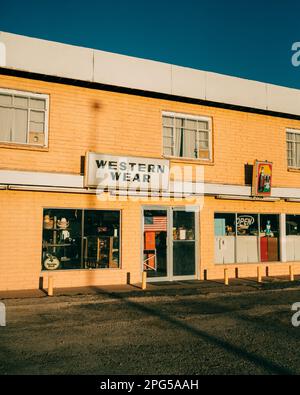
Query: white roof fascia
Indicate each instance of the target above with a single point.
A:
(84, 64)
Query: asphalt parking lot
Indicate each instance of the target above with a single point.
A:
(177, 332)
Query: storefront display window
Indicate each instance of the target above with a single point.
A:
(101, 239)
(80, 239)
(247, 249)
(224, 224)
(246, 238)
(247, 224)
(225, 231)
(269, 237)
(293, 225)
(62, 239)
(293, 238)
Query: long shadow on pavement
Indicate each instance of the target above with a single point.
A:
(264, 363)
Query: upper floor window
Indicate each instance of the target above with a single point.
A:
(187, 136)
(23, 118)
(293, 147)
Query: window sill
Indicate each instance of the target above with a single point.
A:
(248, 264)
(118, 269)
(207, 162)
(27, 147)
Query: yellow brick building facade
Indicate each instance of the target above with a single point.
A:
(123, 123)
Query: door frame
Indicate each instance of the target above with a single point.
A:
(197, 238)
(169, 210)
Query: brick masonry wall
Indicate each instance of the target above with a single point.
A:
(21, 239)
(83, 120)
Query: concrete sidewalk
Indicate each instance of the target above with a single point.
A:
(161, 288)
(182, 328)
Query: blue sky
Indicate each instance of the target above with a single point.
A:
(250, 39)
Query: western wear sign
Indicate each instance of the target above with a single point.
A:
(133, 173)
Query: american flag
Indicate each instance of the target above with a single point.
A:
(155, 224)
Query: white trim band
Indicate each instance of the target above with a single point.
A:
(25, 180)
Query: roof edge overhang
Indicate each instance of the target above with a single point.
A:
(137, 92)
(69, 64)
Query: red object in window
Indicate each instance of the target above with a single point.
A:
(149, 240)
(264, 249)
(150, 246)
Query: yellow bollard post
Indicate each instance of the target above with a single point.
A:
(50, 286)
(292, 277)
(144, 281)
(259, 280)
(236, 272)
(267, 271)
(226, 279)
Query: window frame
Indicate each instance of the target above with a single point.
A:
(29, 95)
(190, 117)
(294, 132)
(286, 224)
(259, 214)
(83, 210)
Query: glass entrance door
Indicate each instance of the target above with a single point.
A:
(184, 243)
(155, 256)
(169, 244)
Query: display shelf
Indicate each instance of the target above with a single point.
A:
(57, 245)
(99, 251)
(183, 240)
(56, 229)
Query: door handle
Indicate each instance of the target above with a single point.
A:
(85, 248)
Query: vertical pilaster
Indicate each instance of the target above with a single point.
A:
(283, 238)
